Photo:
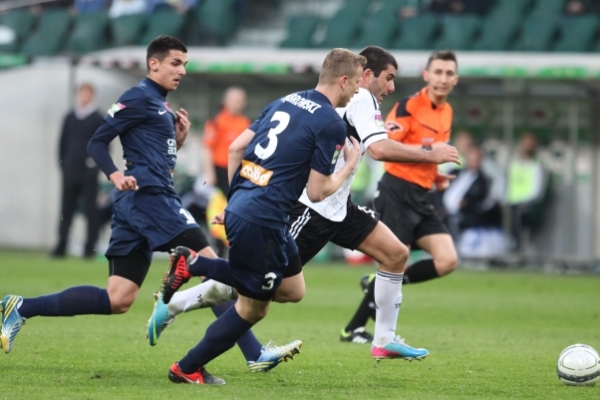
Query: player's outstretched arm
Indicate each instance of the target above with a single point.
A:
(236, 152)
(321, 186)
(392, 151)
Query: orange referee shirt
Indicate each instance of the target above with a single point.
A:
(220, 131)
(418, 121)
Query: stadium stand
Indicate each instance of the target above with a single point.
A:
(21, 21)
(50, 35)
(300, 30)
(164, 21)
(89, 33)
(510, 25)
(127, 29)
(578, 33)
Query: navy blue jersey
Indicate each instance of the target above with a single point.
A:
(146, 127)
(293, 135)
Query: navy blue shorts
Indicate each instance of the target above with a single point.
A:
(258, 256)
(146, 219)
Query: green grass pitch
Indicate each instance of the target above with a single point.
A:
(491, 335)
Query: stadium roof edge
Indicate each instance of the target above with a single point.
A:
(284, 61)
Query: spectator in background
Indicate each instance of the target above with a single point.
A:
(127, 7)
(410, 9)
(580, 7)
(180, 6)
(90, 6)
(79, 171)
(527, 182)
(219, 133)
(479, 7)
(473, 217)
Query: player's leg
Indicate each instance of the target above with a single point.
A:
(258, 259)
(444, 258)
(126, 275)
(382, 244)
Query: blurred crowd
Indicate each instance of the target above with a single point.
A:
(412, 8)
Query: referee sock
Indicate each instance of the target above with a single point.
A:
(212, 268)
(361, 317)
(248, 343)
(388, 298)
(420, 271)
(220, 336)
(77, 300)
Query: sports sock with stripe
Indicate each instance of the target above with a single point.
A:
(388, 298)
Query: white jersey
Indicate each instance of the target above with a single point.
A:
(364, 121)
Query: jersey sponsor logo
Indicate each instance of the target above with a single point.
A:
(115, 108)
(392, 126)
(162, 112)
(255, 173)
(336, 154)
(379, 120)
(300, 102)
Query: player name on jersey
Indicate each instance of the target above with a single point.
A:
(301, 102)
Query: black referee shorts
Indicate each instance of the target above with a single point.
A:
(407, 210)
(312, 231)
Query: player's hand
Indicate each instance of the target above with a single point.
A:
(352, 152)
(219, 219)
(182, 127)
(123, 183)
(442, 181)
(443, 153)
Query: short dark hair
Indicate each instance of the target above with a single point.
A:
(378, 59)
(160, 47)
(446, 55)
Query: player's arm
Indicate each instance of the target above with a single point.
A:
(236, 152)
(321, 186)
(329, 142)
(98, 149)
(392, 151)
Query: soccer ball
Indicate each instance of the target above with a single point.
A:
(578, 365)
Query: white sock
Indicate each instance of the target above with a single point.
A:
(206, 294)
(388, 297)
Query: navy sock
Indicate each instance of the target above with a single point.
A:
(248, 343)
(420, 271)
(77, 300)
(217, 269)
(220, 336)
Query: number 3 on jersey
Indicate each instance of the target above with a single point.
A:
(266, 152)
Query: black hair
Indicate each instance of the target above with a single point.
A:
(160, 47)
(378, 59)
(446, 55)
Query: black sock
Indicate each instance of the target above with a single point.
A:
(364, 312)
(420, 271)
(248, 343)
(77, 300)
